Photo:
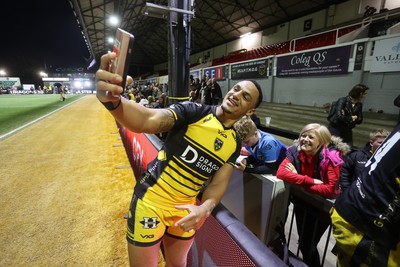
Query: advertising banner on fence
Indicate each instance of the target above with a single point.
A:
(331, 61)
(139, 149)
(386, 56)
(195, 74)
(219, 72)
(250, 69)
(10, 82)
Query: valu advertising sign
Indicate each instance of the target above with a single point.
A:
(331, 61)
(386, 57)
(249, 69)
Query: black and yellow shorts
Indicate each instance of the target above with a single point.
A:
(148, 224)
(356, 249)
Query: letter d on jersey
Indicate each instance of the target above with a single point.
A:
(189, 155)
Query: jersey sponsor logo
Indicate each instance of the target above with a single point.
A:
(150, 222)
(192, 157)
(218, 144)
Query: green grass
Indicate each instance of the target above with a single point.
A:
(18, 110)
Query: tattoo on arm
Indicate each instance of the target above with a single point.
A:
(167, 121)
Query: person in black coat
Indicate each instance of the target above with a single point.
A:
(348, 113)
(354, 162)
(216, 92)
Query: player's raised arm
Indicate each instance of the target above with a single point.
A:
(135, 117)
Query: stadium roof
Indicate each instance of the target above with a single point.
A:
(214, 23)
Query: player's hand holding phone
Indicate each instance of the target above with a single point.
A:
(116, 62)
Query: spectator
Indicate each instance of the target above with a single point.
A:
(366, 216)
(216, 93)
(197, 85)
(369, 11)
(206, 88)
(143, 101)
(265, 151)
(151, 103)
(192, 93)
(354, 163)
(156, 91)
(347, 113)
(147, 90)
(131, 95)
(313, 163)
(162, 101)
(201, 147)
(62, 93)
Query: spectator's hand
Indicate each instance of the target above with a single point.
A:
(241, 165)
(290, 167)
(195, 219)
(353, 118)
(107, 88)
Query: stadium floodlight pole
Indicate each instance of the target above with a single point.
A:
(179, 13)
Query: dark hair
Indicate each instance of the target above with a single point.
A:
(260, 94)
(357, 91)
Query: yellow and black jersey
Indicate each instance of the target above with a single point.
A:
(195, 148)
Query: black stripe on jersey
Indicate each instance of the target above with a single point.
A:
(165, 181)
(185, 177)
(184, 167)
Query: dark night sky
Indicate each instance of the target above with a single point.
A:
(39, 35)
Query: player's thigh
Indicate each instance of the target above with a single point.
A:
(143, 256)
(176, 250)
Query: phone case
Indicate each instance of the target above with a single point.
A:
(123, 46)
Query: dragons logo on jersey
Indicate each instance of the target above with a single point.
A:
(218, 144)
(149, 223)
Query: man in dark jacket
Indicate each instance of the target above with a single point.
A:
(366, 216)
(354, 163)
(216, 93)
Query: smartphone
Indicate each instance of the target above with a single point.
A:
(123, 45)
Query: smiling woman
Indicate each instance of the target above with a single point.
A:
(313, 163)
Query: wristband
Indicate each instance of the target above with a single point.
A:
(110, 105)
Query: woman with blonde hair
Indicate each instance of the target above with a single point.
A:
(313, 162)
